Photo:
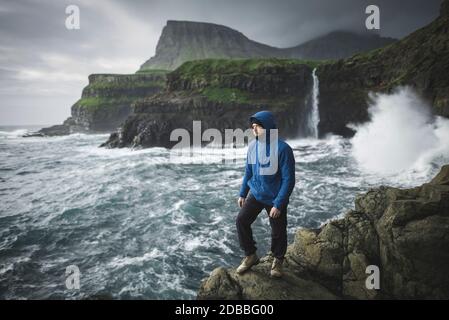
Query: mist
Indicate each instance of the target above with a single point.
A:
(402, 134)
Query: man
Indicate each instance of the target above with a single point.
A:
(269, 184)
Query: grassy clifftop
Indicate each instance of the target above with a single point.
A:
(239, 66)
(110, 90)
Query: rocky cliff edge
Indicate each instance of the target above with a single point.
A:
(405, 233)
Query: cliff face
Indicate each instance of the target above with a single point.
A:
(222, 94)
(183, 41)
(420, 60)
(106, 102)
(403, 232)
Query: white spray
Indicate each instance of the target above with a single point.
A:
(402, 135)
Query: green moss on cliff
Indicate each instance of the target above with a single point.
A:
(104, 85)
(95, 103)
(232, 95)
(153, 71)
(225, 94)
(116, 90)
(150, 79)
(192, 69)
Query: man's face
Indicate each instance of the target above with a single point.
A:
(257, 130)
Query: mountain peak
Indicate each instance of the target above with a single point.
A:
(183, 41)
(195, 28)
(176, 23)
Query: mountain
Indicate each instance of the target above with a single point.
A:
(183, 41)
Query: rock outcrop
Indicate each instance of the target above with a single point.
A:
(106, 102)
(420, 60)
(222, 94)
(405, 233)
(183, 41)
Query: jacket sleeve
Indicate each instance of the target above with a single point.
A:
(248, 174)
(287, 167)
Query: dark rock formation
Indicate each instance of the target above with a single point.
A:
(222, 94)
(403, 232)
(183, 41)
(420, 60)
(106, 102)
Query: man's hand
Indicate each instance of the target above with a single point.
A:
(241, 202)
(274, 212)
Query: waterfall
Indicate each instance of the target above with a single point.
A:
(313, 118)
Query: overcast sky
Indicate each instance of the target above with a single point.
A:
(44, 66)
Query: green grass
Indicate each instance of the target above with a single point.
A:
(225, 94)
(239, 66)
(153, 71)
(229, 95)
(94, 103)
(102, 85)
(125, 81)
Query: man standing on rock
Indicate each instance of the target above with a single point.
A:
(268, 183)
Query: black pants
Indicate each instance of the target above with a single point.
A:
(248, 214)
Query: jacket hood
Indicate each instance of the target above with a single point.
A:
(266, 118)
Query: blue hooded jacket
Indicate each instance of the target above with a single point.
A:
(271, 187)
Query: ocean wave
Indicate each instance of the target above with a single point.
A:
(14, 134)
(120, 262)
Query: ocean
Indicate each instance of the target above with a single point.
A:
(142, 224)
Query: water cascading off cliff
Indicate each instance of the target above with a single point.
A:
(313, 116)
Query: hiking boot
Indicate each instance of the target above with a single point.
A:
(276, 268)
(247, 263)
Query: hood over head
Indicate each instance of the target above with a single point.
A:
(266, 118)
